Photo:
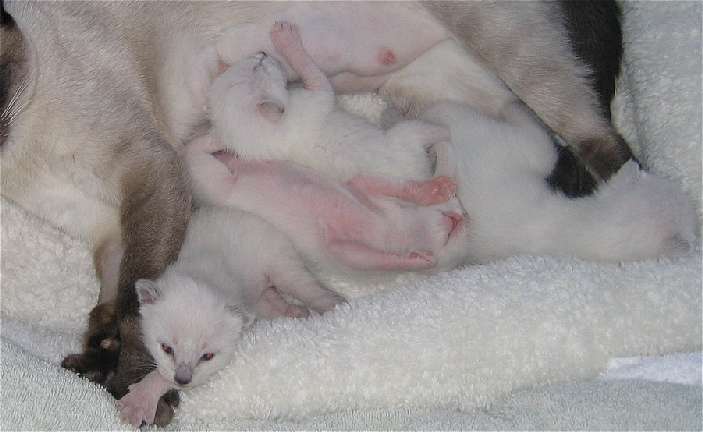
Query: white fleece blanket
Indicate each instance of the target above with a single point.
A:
(455, 340)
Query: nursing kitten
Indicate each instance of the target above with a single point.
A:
(633, 216)
(254, 114)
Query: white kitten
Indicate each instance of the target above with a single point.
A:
(233, 266)
(256, 116)
(500, 168)
(188, 328)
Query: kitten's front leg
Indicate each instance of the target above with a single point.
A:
(139, 404)
(271, 305)
(211, 178)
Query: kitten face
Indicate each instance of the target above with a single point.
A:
(187, 328)
(257, 84)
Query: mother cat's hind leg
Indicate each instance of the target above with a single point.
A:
(532, 58)
(296, 281)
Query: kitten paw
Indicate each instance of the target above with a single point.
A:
(165, 410)
(421, 259)
(137, 408)
(326, 302)
(285, 37)
(295, 311)
(435, 191)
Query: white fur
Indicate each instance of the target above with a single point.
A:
(312, 130)
(206, 299)
(500, 166)
(192, 319)
(512, 210)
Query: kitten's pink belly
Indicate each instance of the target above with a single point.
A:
(322, 217)
(358, 41)
(297, 198)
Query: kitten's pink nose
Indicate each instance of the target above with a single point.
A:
(183, 375)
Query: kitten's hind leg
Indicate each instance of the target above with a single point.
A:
(271, 305)
(296, 281)
(359, 256)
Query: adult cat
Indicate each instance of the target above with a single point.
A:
(97, 98)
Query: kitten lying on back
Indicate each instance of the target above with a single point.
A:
(233, 267)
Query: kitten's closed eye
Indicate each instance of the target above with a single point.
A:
(207, 356)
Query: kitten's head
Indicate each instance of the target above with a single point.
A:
(253, 88)
(187, 327)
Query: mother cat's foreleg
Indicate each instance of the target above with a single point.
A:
(154, 213)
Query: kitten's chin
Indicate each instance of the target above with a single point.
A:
(168, 376)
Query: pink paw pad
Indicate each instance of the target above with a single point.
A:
(285, 34)
(295, 311)
(435, 191)
(454, 221)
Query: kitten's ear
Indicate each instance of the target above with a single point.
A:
(147, 291)
(271, 109)
(247, 318)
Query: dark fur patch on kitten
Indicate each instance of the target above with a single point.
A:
(570, 175)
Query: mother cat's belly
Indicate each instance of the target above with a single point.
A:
(358, 44)
(365, 39)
